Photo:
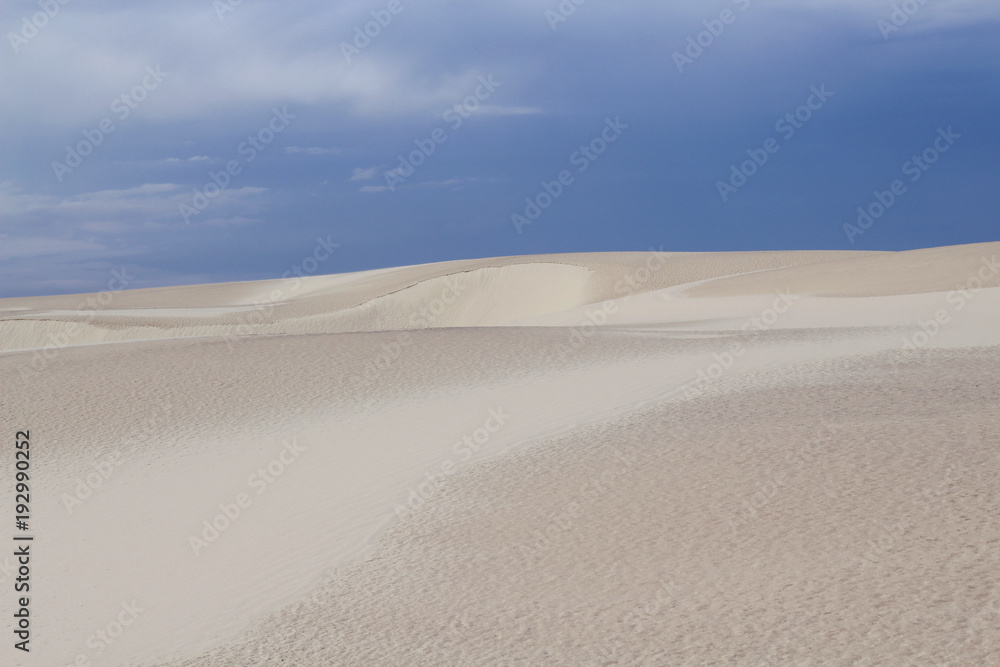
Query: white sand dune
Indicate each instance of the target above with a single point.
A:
(449, 294)
(911, 272)
(614, 458)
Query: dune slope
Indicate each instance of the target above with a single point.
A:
(621, 458)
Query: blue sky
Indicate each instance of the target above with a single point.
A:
(118, 121)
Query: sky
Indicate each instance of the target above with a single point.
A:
(194, 141)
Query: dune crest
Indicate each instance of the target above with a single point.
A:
(485, 292)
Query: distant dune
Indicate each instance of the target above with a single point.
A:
(638, 458)
(484, 292)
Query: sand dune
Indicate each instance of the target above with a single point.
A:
(461, 293)
(911, 272)
(616, 458)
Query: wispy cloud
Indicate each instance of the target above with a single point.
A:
(312, 150)
(447, 183)
(363, 174)
(494, 110)
(148, 207)
(193, 158)
(373, 189)
(235, 221)
(38, 247)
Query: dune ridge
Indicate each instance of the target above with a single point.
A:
(515, 288)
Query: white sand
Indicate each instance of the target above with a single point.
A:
(757, 458)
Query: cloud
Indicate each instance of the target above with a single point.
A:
(493, 110)
(209, 71)
(297, 58)
(148, 207)
(314, 150)
(447, 182)
(193, 158)
(235, 221)
(372, 189)
(62, 244)
(37, 246)
(363, 174)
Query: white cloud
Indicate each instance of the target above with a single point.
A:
(72, 72)
(446, 183)
(193, 158)
(314, 150)
(296, 60)
(371, 189)
(144, 208)
(235, 221)
(363, 174)
(493, 110)
(15, 248)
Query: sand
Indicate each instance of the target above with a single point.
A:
(611, 458)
